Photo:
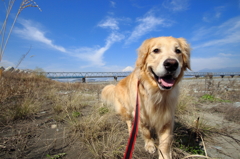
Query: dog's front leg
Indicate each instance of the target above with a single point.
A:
(165, 141)
(149, 142)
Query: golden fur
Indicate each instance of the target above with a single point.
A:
(159, 68)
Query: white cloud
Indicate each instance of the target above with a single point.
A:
(113, 4)
(31, 32)
(220, 42)
(202, 33)
(95, 55)
(176, 5)
(218, 11)
(199, 63)
(223, 54)
(233, 38)
(128, 69)
(214, 14)
(227, 55)
(109, 22)
(226, 33)
(146, 24)
(230, 26)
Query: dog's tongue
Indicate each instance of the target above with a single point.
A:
(167, 82)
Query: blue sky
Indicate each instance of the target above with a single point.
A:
(103, 35)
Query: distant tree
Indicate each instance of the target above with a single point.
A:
(39, 71)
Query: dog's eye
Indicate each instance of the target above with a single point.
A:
(156, 50)
(178, 51)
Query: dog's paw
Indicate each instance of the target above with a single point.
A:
(149, 146)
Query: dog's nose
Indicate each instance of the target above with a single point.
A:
(170, 65)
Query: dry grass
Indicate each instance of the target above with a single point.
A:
(98, 133)
(195, 121)
(186, 102)
(85, 128)
(20, 96)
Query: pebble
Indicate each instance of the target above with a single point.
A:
(236, 104)
(54, 126)
(217, 147)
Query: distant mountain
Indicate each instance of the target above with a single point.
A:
(226, 69)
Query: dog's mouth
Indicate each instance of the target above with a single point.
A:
(164, 82)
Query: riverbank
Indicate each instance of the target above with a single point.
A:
(43, 118)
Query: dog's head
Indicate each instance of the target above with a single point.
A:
(164, 59)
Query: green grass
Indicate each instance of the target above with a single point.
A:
(103, 110)
(211, 98)
(57, 156)
(192, 149)
(76, 114)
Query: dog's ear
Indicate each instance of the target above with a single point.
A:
(142, 54)
(186, 53)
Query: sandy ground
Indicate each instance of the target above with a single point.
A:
(224, 141)
(44, 135)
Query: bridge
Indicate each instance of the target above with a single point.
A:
(115, 75)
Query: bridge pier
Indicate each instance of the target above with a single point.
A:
(210, 76)
(115, 78)
(83, 80)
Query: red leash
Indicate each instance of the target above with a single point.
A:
(134, 132)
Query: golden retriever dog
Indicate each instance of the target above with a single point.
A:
(159, 67)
